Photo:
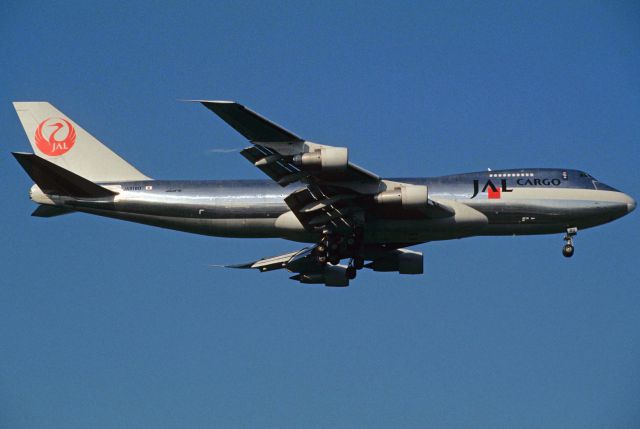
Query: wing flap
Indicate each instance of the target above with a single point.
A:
(315, 209)
(273, 165)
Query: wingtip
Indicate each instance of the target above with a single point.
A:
(208, 101)
(229, 266)
(241, 266)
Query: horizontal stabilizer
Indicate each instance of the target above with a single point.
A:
(55, 180)
(252, 126)
(50, 211)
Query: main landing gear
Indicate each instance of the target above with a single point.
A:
(567, 249)
(332, 248)
(356, 263)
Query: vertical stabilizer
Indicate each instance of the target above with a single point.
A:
(59, 140)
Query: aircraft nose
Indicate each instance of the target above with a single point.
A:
(626, 199)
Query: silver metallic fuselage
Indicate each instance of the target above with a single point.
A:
(506, 202)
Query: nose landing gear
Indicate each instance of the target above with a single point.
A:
(568, 249)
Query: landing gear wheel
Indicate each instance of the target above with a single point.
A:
(351, 273)
(321, 259)
(567, 250)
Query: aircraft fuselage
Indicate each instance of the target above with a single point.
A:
(504, 202)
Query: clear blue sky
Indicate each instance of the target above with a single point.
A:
(107, 324)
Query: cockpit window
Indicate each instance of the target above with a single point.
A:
(588, 176)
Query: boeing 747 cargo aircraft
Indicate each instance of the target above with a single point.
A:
(314, 194)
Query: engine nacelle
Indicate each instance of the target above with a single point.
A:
(333, 275)
(325, 159)
(406, 196)
(401, 260)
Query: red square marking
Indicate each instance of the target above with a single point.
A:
(493, 194)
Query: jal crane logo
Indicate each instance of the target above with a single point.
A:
(55, 136)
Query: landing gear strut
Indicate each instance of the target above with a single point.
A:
(334, 247)
(568, 249)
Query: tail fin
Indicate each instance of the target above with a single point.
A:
(61, 141)
(55, 180)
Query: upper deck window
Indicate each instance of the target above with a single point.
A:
(511, 175)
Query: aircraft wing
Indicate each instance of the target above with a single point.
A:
(308, 270)
(274, 147)
(337, 192)
(305, 265)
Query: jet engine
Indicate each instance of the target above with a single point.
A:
(332, 275)
(325, 159)
(406, 196)
(401, 260)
